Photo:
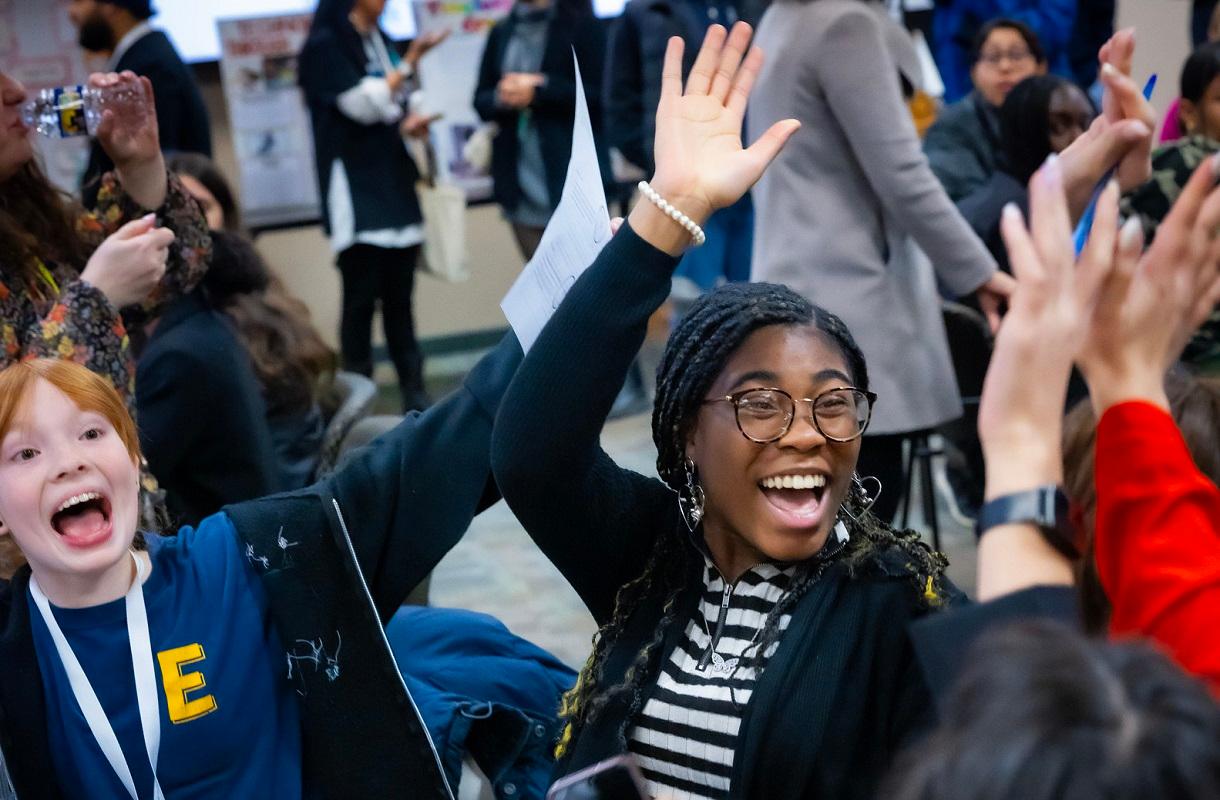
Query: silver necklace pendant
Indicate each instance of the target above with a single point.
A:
(721, 665)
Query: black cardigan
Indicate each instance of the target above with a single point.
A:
(554, 102)
(203, 422)
(381, 174)
(368, 535)
(843, 690)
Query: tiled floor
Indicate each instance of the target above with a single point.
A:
(496, 568)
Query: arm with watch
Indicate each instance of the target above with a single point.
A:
(1024, 566)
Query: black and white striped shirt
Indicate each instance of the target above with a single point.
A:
(686, 737)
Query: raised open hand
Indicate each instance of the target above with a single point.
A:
(1019, 417)
(1148, 307)
(701, 164)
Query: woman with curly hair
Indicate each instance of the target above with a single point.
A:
(752, 636)
(74, 282)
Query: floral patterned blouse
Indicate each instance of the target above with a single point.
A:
(65, 317)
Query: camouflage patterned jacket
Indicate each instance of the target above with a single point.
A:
(1172, 165)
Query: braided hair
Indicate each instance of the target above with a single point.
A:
(708, 334)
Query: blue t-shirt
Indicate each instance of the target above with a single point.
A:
(229, 718)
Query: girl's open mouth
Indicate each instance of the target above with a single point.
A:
(798, 500)
(83, 520)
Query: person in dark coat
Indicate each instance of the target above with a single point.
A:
(956, 23)
(963, 144)
(752, 610)
(526, 86)
(1042, 115)
(203, 423)
(357, 89)
(120, 28)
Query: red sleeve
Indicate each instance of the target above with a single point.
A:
(1158, 552)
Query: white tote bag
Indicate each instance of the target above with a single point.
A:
(444, 209)
(443, 206)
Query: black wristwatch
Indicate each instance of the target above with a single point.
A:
(1046, 507)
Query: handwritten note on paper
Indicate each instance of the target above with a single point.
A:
(577, 232)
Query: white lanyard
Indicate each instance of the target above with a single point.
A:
(146, 685)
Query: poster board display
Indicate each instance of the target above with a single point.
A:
(38, 47)
(269, 120)
(448, 75)
(191, 24)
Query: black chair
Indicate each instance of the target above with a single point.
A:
(970, 349)
(353, 397)
(970, 343)
(920, 453)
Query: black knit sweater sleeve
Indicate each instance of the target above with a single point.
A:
(594, 520)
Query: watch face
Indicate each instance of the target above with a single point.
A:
(1045, 507)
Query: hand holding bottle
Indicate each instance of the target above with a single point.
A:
(128, 133)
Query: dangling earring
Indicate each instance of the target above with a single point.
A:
(861, 496)
(691, 498)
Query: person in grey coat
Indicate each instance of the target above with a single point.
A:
(846, 213)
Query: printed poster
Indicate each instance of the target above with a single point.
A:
(38, 47)
(448, 76)
(267, 113)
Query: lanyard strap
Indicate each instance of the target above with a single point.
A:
(146, 685)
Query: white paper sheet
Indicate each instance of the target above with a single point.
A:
(577, 232)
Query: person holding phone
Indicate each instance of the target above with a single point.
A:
(753, 627)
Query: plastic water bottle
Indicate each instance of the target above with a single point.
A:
(69, 111)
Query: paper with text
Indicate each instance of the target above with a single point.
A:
(576, 233)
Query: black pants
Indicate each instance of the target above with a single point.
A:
(528, 238)
(881, 457)
(379, 273)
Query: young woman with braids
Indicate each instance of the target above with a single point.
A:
(753, 629)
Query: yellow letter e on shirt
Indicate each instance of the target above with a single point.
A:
(178, 684)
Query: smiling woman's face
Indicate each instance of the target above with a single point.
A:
(16, 149)
(746, 522)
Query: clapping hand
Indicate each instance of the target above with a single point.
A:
(1122, 101)
(1121, 136)
(701, 163)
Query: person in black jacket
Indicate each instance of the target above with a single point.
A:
(526, 86)
(1043, 114)
(203, 421)
(287, 594)
(357, 90)
(120, 29)
(752, 611)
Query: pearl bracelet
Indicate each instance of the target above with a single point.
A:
(696, 233)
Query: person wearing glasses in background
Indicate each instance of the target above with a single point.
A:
(752, 610)
(963, 145)
(956, 23)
